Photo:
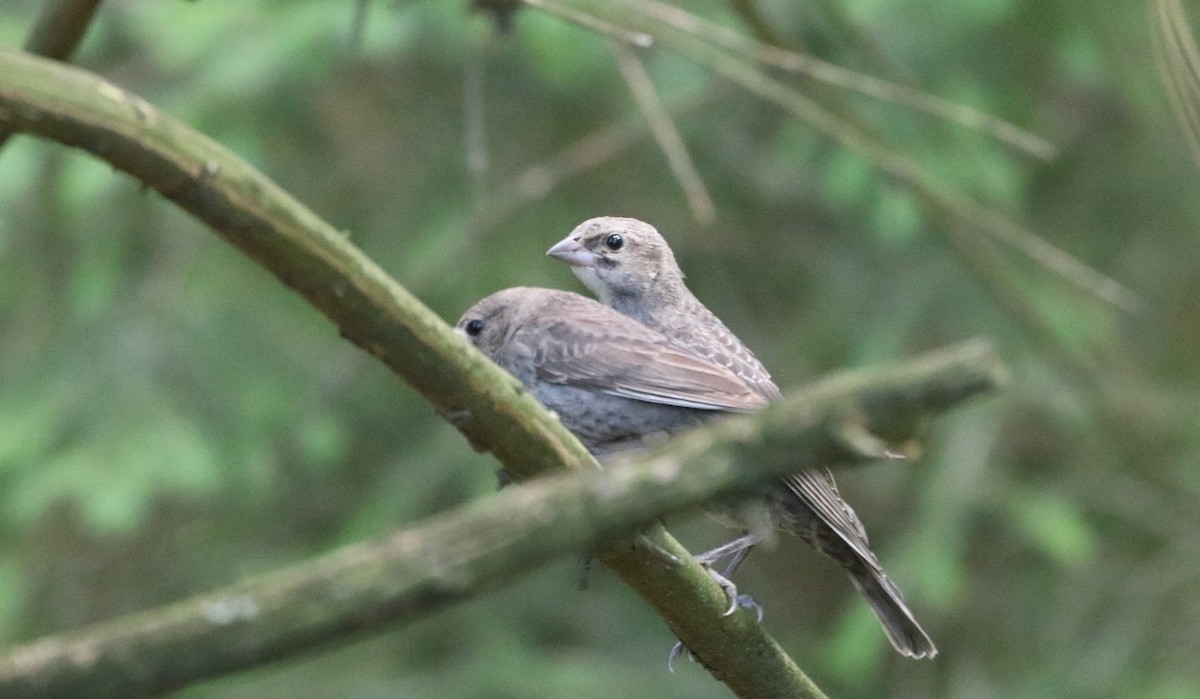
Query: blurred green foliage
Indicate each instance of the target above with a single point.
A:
(172, 419)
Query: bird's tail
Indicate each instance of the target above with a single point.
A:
(902, 629)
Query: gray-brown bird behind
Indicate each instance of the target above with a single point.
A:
(630, 267)
(613, 382)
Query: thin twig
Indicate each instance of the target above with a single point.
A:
(665, 133)
(612, 31)
(358, 24)
(838, 14)
(371, 310)
(1178, 60)
(587, 153)
(57, 32)
(748, 11)
(475, 122)
(845, 78)
(538, 181)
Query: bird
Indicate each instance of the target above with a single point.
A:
(614, 383)
(630, 268)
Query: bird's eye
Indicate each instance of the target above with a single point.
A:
(474, 327)
(614, 242)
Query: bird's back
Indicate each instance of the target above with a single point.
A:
(829, 523)
(692, 326)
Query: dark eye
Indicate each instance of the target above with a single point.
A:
(474, 327)
(614, 242)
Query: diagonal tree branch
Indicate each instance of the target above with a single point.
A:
(456, 555)
(250, 211)
(371, 310)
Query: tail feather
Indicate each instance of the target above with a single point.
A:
(906, 635)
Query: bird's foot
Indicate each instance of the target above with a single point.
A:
(748, 602)
(736, 600)
(740, 602)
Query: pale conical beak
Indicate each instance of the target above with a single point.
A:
(570, 251)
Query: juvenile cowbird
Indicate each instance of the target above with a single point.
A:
(613, 382)
(630, 268)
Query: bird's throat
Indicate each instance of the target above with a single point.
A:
(588, 276)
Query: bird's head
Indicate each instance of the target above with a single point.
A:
(618, 258)
(489, 324)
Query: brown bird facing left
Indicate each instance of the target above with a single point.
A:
(612, 382)
(630, 267)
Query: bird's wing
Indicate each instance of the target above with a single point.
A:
(819, 491)
(697, 330)
(620, 357)
(720, 346)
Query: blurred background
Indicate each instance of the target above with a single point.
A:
(172, 419)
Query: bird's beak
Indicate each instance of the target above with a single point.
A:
(570, 251)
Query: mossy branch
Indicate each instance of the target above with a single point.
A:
(458, 554)
(78, 109)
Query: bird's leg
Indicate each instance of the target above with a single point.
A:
(743, 543)
(736, 550)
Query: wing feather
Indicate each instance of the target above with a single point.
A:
(620, 357)
(819, 491)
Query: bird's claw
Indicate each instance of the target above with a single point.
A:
(748, 602)
(739, 602)
(677, 650)
(735, 600)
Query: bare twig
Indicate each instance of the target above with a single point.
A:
(665, 134)
(845, 78)
(57, 33)
(358, 24)
(1178, 60)
(587, 21)
(593, 150)
(371, 310)
(512, 194)
(758, 25)
(839, 16)
(475, 123)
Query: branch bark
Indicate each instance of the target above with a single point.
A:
(455, 555)
(490, 407)
(78, 109)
